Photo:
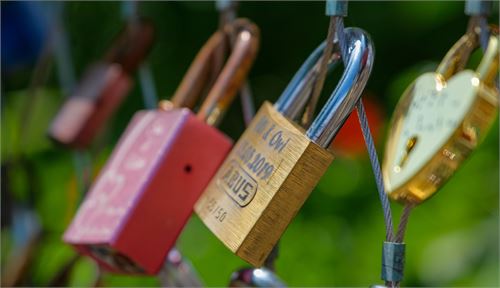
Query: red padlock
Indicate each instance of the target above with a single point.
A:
(102, 88)
(145, 194)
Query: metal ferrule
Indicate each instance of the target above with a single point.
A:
(348, 91)
(336, 8)
(293, 100)
(478, 7)
(393, 261)
(222, 5)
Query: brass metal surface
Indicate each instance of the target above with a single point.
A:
(261, 185)
(464, 135)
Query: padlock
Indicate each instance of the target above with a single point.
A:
(264, 276)
(441, 118)
(255, 277)
(145, 194)
(102, 88)
(178, 272)
(275, 164)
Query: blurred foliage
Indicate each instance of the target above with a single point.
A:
(336, 239)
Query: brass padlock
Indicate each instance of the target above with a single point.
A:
(439, 121)
(275, 164)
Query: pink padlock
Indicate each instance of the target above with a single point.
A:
(145, 194)
(102, 89)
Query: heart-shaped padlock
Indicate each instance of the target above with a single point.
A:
(439, 121)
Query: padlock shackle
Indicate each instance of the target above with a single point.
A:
(132, 45)
(297, 93)
(348, 91)
(234, 73)
(195, 79)
(230, 79)
(455, 60)
(488, 67)
(457, 57)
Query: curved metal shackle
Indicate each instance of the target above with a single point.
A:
(132, 45)
(232, 76)
(346, 95)
(457, 57)
(296, 94)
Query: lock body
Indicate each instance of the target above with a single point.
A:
(261, 185)
(459, 144)
(103, 88)
(95, 99)
(145, 193)
(441, 118)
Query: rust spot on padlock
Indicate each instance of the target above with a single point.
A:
(469, 133)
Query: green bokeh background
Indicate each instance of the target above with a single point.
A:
(336, 239)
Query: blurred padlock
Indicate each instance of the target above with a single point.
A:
(178, 272)
(255, 277)
(275, 164)
(440, 120)
(259, 277)
(102, 88)
(145, 194)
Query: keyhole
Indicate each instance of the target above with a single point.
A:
(410, 145)
(188, 168)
